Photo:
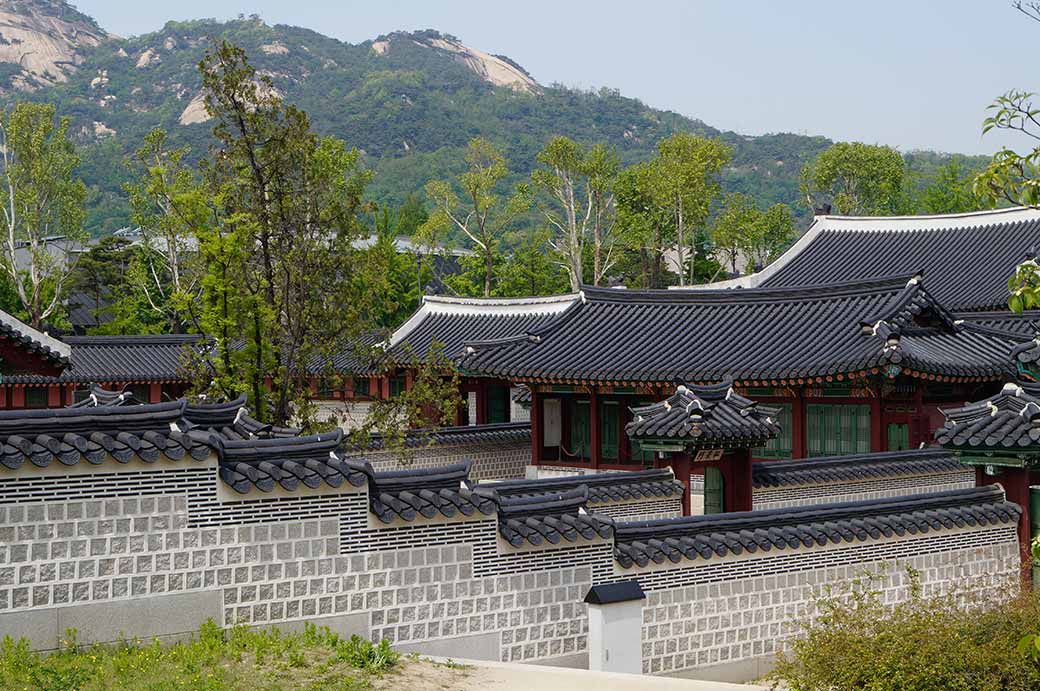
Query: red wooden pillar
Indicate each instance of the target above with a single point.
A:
(18, 397)
(537, 425)
(53, 397)
(384, 384)
(373, 386)
(798, 446)
(595, 443)
(1015, 482)
(681, 468)
(154, 392)
(409, 378)
(736, 472)
(877, 437)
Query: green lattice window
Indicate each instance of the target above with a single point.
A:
(834, 430)
(397, 386)
(580, 437)
(36, 397)
(782, 445)
(609, 430)
(898, 436)
(362, 386)
(497, 404)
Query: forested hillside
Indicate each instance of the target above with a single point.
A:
(409, 101)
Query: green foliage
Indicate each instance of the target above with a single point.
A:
(858, 642)
(950, 190)
(577, 184)
(856, 179)
(481, 215)
(284, 285)
(213, 660)
(41, 200)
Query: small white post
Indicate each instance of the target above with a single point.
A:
(616, 627)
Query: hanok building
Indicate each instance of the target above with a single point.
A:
(851, 367)
(445, 323)
(1000, 437)
(967, 258)
(38, 370)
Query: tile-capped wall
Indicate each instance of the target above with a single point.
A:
(89, 544)
(860, 490)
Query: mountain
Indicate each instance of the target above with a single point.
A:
(409, 100)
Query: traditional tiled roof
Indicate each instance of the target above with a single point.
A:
(287, 462)
(497, 433)
(825, 469)
(522, 396)
(770, 335)
(673, 540)
(105, 397)
(1008, 420)
(553, 518)
(711, 415)
(126, 358)
(1019, 323)
(451, 322)
(602, 487)
(34, 340)
(69, 435)
(839, 248)
(425, 492)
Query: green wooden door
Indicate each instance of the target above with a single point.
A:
(580, 437)
(898, 436)
(497, 404)
(837, 429)
(714, 491)
(609, 430)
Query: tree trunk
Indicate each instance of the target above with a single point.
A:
(488, 269)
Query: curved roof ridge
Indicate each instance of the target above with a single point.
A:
(879, 225)
(813, 292)
(489, 302)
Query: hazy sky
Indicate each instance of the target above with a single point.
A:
(913, 73)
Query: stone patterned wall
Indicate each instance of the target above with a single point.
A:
(640, 510)
(501, 461)
(859, 490)
(155, 550)
(702, 617)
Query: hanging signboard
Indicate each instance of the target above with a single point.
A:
(708, 455)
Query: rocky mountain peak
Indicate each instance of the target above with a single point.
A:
(44, 39)
(494, 69)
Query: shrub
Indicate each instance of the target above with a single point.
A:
(857, 643)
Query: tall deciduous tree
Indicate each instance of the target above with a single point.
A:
(855, 179)
(580, 183)
(170, 206)
(685, 183)
(42, 204)
(742, 231)
(645, 228)
(482, 215)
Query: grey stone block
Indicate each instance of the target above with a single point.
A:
(39, 626)
(141, 618)
(479, 647)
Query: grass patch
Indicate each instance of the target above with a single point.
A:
(238, 659)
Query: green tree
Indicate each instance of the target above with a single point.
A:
(645, 228)
(579, 181)
(482, 216)
(736, 229)
(684, 183)
(775, 233)
(855, 179)
(284, 284)
(950, 190)
(100, 276)
(530, 270)
(169, 205)
(42, 202)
